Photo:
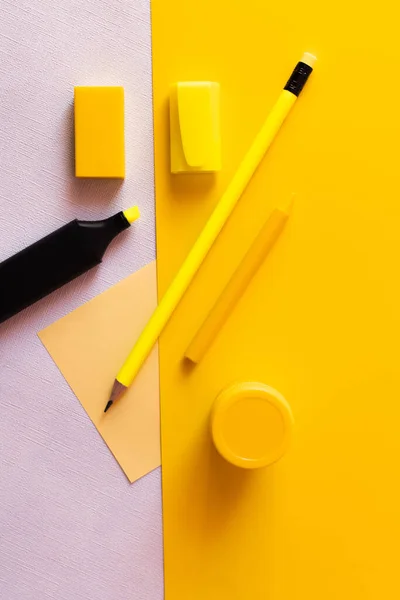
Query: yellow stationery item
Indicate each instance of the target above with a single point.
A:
(195, 136)
(321, 323)
(131, 214)
(251, 425)
(99, 131)
(212, 228)
(87, 346)
(237, 284)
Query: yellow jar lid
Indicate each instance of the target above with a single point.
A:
(251, 425)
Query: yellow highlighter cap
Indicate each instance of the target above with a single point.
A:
(251, 425)
(131, 214)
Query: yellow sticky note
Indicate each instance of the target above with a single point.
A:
(99, 131)
(90, 344)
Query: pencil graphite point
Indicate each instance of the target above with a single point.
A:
(117, 389)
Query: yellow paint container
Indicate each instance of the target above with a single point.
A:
(251, 425)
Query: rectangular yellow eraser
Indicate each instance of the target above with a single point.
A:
(99, 132)
(195, 127)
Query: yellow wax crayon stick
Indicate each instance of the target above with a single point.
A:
(215, 223)
(239, 281)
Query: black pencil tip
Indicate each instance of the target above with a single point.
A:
(117, 389)
(109, 403)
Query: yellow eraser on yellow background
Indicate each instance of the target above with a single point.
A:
(195, 127)
(99, 131)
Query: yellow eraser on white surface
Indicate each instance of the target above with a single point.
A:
(195, 127)
(99, 131)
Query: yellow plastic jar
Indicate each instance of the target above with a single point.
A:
(251, 425)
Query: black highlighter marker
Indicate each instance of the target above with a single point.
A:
(56, 259)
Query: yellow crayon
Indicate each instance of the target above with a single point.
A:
(239, 281)
(215, 223)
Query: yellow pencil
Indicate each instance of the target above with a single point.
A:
(239, 281)
(215, 223)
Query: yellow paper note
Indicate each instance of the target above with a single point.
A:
(90, 344)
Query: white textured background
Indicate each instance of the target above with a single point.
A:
(71, 527)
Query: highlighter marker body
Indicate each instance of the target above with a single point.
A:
(55, 260)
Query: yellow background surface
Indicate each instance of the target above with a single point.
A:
(320, 321)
